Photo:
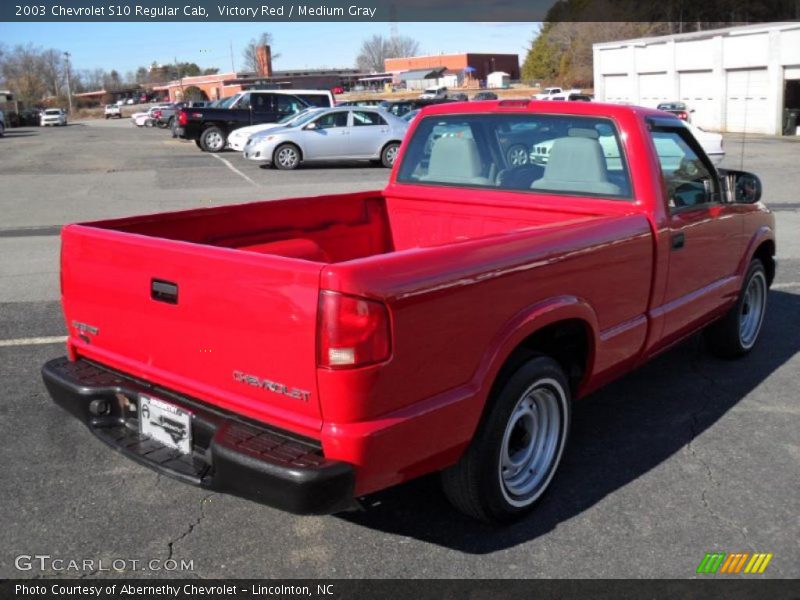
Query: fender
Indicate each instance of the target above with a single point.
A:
(761, 235)
(524, 324)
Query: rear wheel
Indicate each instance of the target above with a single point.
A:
(286, 157)
(518, 446)
(517, 156)
(212, 139)
(389, 154)
(737, 332)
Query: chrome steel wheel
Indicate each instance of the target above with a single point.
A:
(517, 156)
(214, 141)
(391, 154)
(532, 442)
(287, 157)
(753, 306)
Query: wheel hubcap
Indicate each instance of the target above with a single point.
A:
(517, 157)
(532, 442)
(214, 140)
(391, 154)
(287, 157)
(752, 311)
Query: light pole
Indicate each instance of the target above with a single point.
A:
(69, 89)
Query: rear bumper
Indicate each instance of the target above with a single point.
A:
(229, 454)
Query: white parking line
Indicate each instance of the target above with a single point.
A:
(787, 285)
(37, 341)
(235, 170)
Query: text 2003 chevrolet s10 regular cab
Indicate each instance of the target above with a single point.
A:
(306, 352)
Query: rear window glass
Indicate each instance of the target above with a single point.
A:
(554, 154)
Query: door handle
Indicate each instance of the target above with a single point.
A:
(678, 241)
(164, 291)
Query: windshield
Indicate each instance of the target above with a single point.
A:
(226, 102)
(303, 117)
(52, 111)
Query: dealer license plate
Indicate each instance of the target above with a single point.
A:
(165, 423)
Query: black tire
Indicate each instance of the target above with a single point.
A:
(389, 154)
(287, 157)
(737, 332)
(213, 139)
(479, 485)
(106, 117)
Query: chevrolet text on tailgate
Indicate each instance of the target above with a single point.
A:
(306, 352)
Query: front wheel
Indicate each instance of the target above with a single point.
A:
(212, 140)
(286, 157)
(737, 332)
(389, 154)
(518, 446)
(517, 156)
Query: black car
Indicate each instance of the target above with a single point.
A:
(679, 109)
(485, 96)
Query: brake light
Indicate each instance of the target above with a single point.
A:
(157, 114)
(351, 331)
(183, 118)
(682, 116)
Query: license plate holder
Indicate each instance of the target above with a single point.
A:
(165, 423)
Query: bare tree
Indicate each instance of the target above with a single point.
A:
(22, 69)
(250, 55)
(376, 49)
(53, 70)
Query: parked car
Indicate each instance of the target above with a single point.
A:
(130, 102)
(2, 123)
(447, 323)
(712, 143)
(210, 127)
(400, 107)
(112, 110)
(679, 109)
(434, 93)
(458, 97)
(349, 133)
(484, 96)
(570, 97)
(238, 138)
(53, 116)
(147, 118)
(375, 102)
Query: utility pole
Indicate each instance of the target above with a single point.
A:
(69, 88)
(233, 68)
(180, 79)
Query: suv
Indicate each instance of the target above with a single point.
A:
(112, 110)
(53, 116)
(434, 93)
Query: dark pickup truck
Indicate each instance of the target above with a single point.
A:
(210, 127)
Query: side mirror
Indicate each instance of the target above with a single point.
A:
(311, 126)
(742, 187)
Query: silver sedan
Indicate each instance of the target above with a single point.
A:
(347, 133)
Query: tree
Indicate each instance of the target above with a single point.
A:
(53, 70)
(250, 52)
(376, 49)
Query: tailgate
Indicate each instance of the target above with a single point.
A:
(240, 333)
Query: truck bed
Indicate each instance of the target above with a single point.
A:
(335, 229)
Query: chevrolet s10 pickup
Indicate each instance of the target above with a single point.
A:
(307, 352)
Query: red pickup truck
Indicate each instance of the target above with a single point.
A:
(309, 351)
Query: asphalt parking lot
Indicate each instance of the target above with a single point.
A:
(688, 455)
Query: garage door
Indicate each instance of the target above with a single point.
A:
(653, 89)
(698, 90)
(748, 101)
(617, 88)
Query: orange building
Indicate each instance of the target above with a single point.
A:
(477, 65)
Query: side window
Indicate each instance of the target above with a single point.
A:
(689, 182)
(320, 100)
(287, 105)
(365, 118)
(244, 102)
(331, 120)
(261, 103)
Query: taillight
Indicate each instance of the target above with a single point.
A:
(157, 114)
(682, 116)
(183, 118)
(352, 332)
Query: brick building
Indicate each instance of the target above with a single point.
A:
(477, 65)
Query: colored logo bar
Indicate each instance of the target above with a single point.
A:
(737, 562)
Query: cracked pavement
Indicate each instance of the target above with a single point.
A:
(687, 455)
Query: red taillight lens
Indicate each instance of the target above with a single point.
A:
(682, 116)
(352, 332)
(183, 118)
(157, 114)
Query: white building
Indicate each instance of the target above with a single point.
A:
(735, 79)
(498, 79)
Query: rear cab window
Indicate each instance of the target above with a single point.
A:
(544, 153)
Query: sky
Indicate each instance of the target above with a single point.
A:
(126, 46)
